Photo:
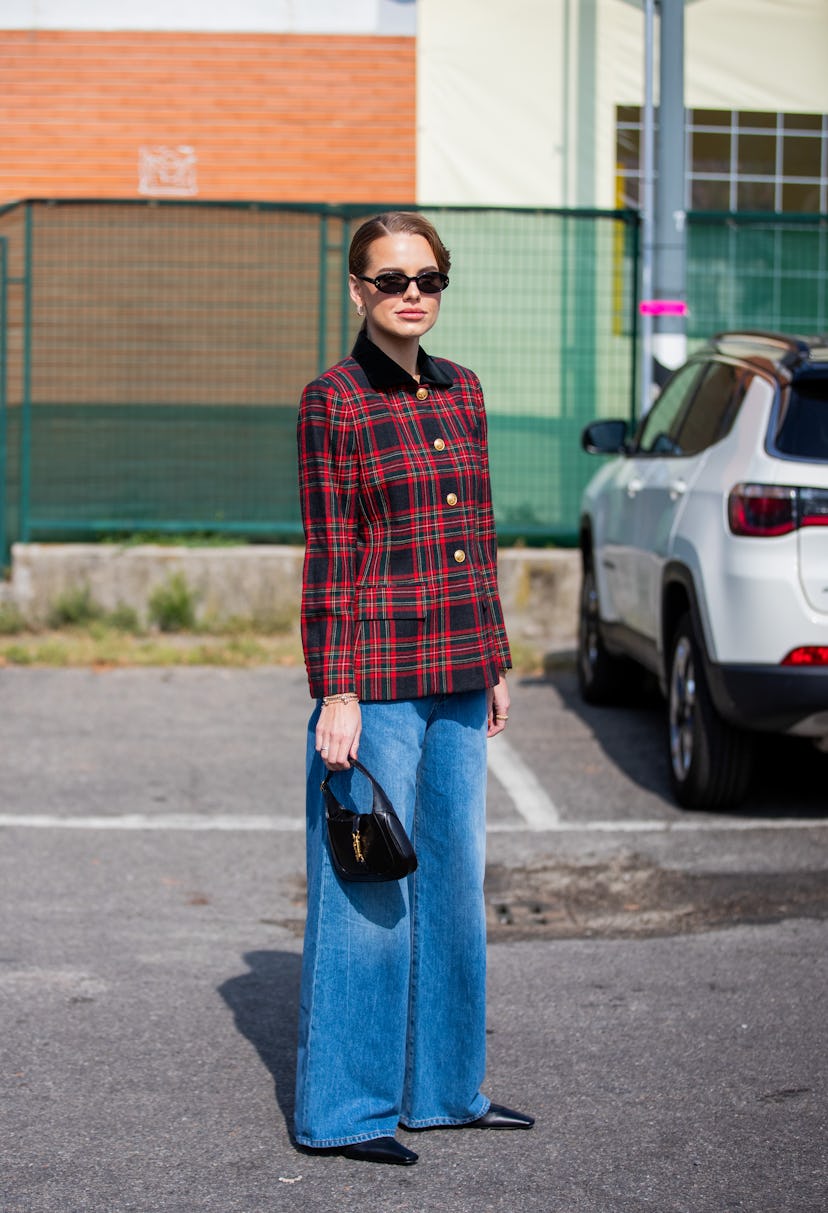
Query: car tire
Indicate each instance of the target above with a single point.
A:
(602, 678)
(710, 760)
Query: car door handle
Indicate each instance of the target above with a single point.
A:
(634, 487)
(677, 489)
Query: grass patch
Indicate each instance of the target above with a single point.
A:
(272, 622)
(527, 659)
(172, 606)
(11, 621)
(123, 619)
(17, 654)
(74, 606)
(102, 647)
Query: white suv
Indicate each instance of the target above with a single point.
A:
(705, 557)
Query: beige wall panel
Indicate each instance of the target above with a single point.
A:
(517, 99)
(489, 101)
(757, 54)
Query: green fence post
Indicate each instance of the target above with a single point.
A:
(26, 401)
(3, 380)
(322, 313)
(345, 294)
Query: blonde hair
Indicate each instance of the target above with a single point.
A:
(389, 223)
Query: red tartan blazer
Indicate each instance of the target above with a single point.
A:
(399, 591)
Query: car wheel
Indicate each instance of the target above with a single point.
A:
(602, 678)
(710, 760)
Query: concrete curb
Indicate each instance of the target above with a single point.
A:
(262, 583)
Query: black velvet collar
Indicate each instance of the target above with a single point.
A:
(384, 373)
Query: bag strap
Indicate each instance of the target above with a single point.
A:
(378, 790)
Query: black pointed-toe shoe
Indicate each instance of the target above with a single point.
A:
(380, 1149)
(499, 1117)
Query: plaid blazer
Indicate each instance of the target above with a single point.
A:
(399, 592)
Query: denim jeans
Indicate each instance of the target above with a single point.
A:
(392, 1020)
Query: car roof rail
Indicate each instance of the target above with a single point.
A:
(784, 349)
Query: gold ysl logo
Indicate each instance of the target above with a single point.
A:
(360, 858)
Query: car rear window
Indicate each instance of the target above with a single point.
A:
(714, 407)
(804, 428)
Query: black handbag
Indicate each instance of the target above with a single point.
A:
(367, 846)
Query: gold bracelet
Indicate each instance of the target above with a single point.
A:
(345, 697)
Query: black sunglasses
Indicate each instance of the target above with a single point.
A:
(429, 283)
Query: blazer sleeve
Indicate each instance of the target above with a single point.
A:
(488, 535)
(328, 495)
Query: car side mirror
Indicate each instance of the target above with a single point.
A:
(605, 437)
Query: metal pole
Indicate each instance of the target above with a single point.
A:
(669, 287)
(647, 202)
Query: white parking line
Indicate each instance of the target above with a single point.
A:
(522, 787)
(691, 824)
(262, 823)
(148, 821)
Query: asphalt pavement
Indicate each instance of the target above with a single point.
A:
(657, 980)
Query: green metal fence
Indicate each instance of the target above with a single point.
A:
(757, 271)
(152, 353)
(158, 351)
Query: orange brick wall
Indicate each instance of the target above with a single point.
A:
(275, 117)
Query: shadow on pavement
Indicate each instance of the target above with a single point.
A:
(790, 776)
(265, 1006)
(632, 737)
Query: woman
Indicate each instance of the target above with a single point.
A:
(406, 654)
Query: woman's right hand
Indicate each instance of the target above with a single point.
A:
(337, 734)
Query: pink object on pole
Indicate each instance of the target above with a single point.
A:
(662, 307)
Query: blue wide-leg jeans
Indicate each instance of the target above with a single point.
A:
(392, 1019)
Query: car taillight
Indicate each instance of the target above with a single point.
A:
(762, 509)
(772, 509)
(809, 654)
(813, 507)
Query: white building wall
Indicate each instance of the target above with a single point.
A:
(491, 82)
(392, 17)
(517, 98)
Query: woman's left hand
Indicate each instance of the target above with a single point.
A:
(497, 702)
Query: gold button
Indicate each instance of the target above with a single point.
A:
(451, 499)
(422, 393)
(459, 555)
(439, 445)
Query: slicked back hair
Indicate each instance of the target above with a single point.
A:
(390, 223)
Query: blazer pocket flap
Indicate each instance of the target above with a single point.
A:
(406, 600)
